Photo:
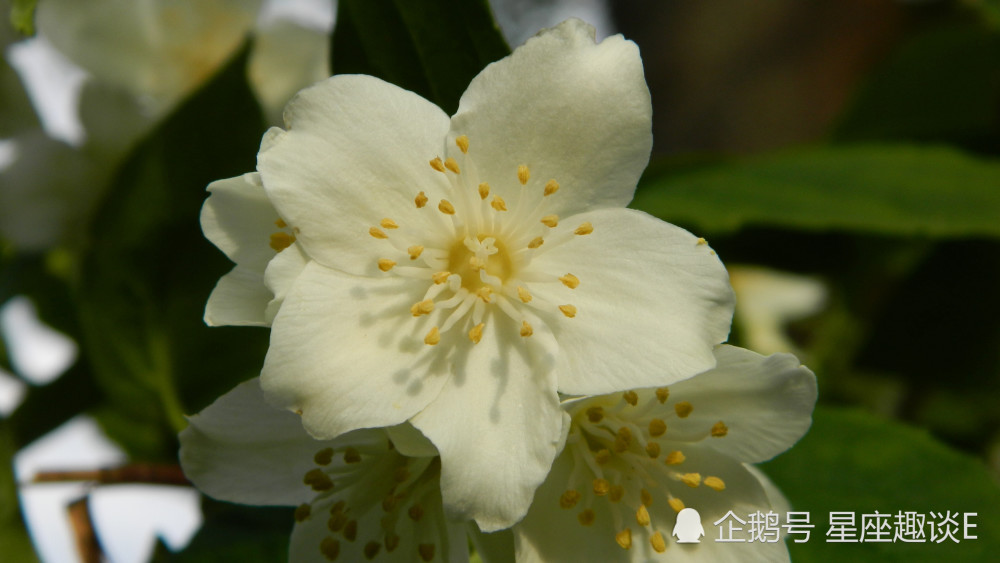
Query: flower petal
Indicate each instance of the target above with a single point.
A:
(497, 425)
(568, 109)
(281, 271)
(651, 303)
(340, 354)
(239, 298)
(239, 219)
(765, 403)
(356, 151)
(241, 449)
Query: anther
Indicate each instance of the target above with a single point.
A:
(675, 457)
(602, 456)
(415, 512)
(426, 551)
(415, 251)
(683, 409)
(657, 427)
(719, 429)
(702, 242)
(691, 479)
(280, 223)
(715, 483)
(536, 242)
(303, 511)
(389, 502)
(568, 310)
(584, 229)
(676, 503)
(646, 497)
(391, 542)
(330, 548)
(595, 414)
(484, 190)
(498, 203)
(452, 165)
(318, 480)
(653, 449)
(523, 294)
(484, 293)
(551, 187)
(433, 337)
(631, 397)
(385, 264)
(526, 329)
(281, 241)
(569, 499)
(570, 281)
(422, 308)
(371, 550)
(523, 174)
(586, 517)
(616, 493)
(437, 164)
(388, 223)
(642, 516)
(658, 543)
(550, 221)
(476, 333)
(377, 232)
(625, 434)
(440, 277)
(601, 487)
(446, 207)
(463, 143)
(662, 394)
(324, 456)
(351, 530)
(338, 507)
(624, 538)
(421, 200)
(352, 455)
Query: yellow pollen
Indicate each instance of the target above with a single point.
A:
(657, 427)
(536, 242)
(498, 203)
(452, 165)
(691, 479)
(653, 449)
(675, 457)
(676, 503)
(571, 281)
(388, 223)
(302, 512)
(281, 241)
(421, 200)
(416, 512)
(323, 457)
(616, 493)
(551, 187)
(433, 337)
(658, 543)
(620, 445)
(584, 229)
(624, 538)
(702, 241)
(422, 308)
(476, 333)
(595, 414)
(625, 434)
(523, 174)
(484, 293)
(631, 397)
(371, 550)
(351, 530)
(415, 251)
(426, 551)
(569, 499)
(463, 143)
(646, 497)
(719, 429)
(446, 207)
(377, 232)
(642, 516)
(391, 542)
(602, 456)
(550, 221)
(484, 190)
(351, 455)
(601, 487)
(280, 223)
(523, 294)
(475, 263)
(318, 480)
(683, 409)
(330, 548)
(338, 507)
(586, 517)
(440, 277)
(526, 329)
(437, 164)
(715, 483)
(568, 310)
(385, 264)
(662, 394)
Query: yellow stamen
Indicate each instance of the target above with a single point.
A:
(385, 264)
(426, 551)
(281, 241)
(421, 200)
(440, 277)
(388, 223)
(280, 223)
(568, 310)
(624, 538)
(551, 187)
(523, 294)
(415, 512)
(352, 455)
(642, 516)
(631, 397)
(584, 229)
(595, 414)
(317, 480)
(602, 456)
(463, 143)
(415, 251)
(446, 207)
(550, 221)
(617, 491)
(675, 457)
(658, 543)
(536, 242)
(625, 434)
(653, 449)
(377, 232)
(476, 333)
(571, 281)
(683, 409)
(526, 329)
(437, 164)
(302, 512)
(646, 497)
(324, 456)
(676, 503)
(719, 429)
(422, 308)
(484, 190)
(715, 483)
(702, 241)
(330, 548)
(433, 337)
(391, 541)
(523, 174)
(452, 165)
(498, 203)
(691, 479)
(586, 517)
(371, 550)
(662, 394)
(657, 427)
(569, 499)
(601, 487)
(484, 293)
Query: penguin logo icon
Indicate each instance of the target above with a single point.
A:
(688, 528)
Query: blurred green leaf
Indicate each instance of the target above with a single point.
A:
(15, 545)
(899, 190)
(233, 532)
(433, 48)
(22, 16)
(854, 462)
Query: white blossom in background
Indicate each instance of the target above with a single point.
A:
(767, 300)
(634, 460)
(461, 272)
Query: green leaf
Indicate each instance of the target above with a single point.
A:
(15, 544)
(854, 462)
(433, 48)
(899, 190)
(233, 532)
(22, 16)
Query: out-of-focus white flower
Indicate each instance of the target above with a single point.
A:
(767, 300)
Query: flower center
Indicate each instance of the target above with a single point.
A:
(473, 256)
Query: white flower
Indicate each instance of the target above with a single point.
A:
(633, 461)
(357, 496)
(460, 272)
